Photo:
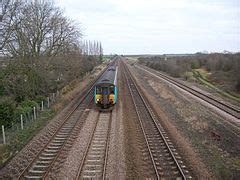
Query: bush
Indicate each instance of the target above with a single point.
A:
(25, 107)
(28, 104)
(21, 110)
(2, 90)
(7, 108)
(195, 65)
(39, 99)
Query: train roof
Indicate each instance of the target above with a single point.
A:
(109, 76)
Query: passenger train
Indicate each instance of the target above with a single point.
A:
(105, 90)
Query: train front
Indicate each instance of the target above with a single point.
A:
(105, 95)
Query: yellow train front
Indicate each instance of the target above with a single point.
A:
(105, 91)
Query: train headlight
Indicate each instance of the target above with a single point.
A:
(98, 100)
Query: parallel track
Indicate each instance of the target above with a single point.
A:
(40, 166)
(229, 109)
(165, 159)
(95, 158)
(42, 163)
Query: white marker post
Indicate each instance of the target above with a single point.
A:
(3, 133)
(42, 105)
(48, 102)
(21, 121)
(34, 113)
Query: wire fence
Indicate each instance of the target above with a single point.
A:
(8, 133)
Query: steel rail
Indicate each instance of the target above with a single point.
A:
(229, 109)
(86, 92)
(53, 136)
(87, 150)
(129, 77)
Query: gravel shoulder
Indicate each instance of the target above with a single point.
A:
(193, 127)
(116, 158)
(137, 160)
(229, 119)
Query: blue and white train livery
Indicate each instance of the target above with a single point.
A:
(105, 91)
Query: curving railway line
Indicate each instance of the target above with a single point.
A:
(94, 160)
(164, 157)
(227, 108)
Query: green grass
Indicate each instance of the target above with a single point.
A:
(216, 162)
(133, 58)
(105, 59)
(203, 78)
(189, 76)
(18, 139)
(5, 153)
(236, 163)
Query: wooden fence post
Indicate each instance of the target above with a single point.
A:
(3, 134)
(48, 102)
(21, 121)
(34, 113)
(42, 105)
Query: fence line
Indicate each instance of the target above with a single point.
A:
(18, 124)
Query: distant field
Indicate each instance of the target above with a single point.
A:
(218, 72)
(135, 58)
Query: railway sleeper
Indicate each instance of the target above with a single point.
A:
(51, 150)
(48, 154)
(45, 158)
(39, 166)
(33, 177)
(43, 162)
(53, 147)
(36, 172)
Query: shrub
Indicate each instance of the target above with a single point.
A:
(28, 103)
(25, 107)
(7, 108)
(39, 99)
(2, 90)
(195, 64)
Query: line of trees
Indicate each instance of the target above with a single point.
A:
(92, 48)
(223, 67)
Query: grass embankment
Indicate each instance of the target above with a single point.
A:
(202, 75)
(18, 139)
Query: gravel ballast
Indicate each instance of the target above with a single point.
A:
(71, 165)
(192, 125)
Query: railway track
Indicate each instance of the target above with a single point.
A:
(42, 163)
(227, 108)
(40, 166)
(95, 158)
(166, 161)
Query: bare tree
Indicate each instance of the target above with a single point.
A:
(37, 28)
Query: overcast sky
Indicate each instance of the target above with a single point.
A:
(158, 26)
